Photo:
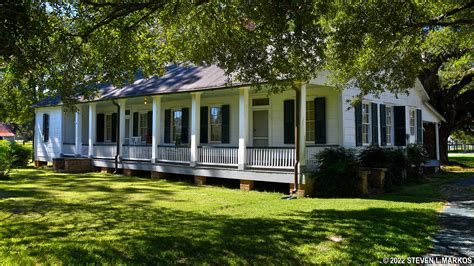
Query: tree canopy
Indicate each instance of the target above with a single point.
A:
(66, 48)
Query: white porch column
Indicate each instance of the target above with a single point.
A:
(302, 127)
(78, 125)
(437, 140)
(243, 126)
(122, 125)
(156, 130)
(195, 125)
(92, 128)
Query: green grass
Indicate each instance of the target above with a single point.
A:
(463, 158)
(48, 217)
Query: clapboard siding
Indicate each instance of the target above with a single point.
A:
(46, 151)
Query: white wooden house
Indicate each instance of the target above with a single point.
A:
(194, 121)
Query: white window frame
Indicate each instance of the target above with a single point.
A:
(312, 128)
(209, 126)
(389, 131)
(368, 124)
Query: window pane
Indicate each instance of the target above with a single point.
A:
(216, 123)
(177, 115)
(365, 123)
(143, 126)
(108, 126)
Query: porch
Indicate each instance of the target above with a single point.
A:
(235, 128)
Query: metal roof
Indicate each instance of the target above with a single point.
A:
(177, 78)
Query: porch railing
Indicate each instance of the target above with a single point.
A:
(311, 152)
(105, 150)
(180, 154)
(215, 155)
(85, 150)
(137, 152)
(274, 157)
(69, 149)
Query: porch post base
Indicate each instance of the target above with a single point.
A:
(39, 164)
(246, 185)
(193, 164)
(301, 192)
(199, 180)
(241, 167)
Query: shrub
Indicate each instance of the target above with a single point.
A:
(374, 156)
(337, 175)
(6, 159)
(22, 154)
(416, 157)
(396, 167)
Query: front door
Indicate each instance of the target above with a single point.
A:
(260, 128)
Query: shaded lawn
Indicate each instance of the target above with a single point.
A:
(463, 158)
(47, 217)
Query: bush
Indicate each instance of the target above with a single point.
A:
(22, 154)
(6, 159)
(416, 157)
(338, 173)
(374, 156)
(396, 167)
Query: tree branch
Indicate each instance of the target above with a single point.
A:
(463, 82)
(438, 21)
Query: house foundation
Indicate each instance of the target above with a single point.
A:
(199, 180)
(247, 185)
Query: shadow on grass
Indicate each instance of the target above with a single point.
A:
(54, 232)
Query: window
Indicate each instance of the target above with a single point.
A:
(176, 128)
(310, 121)
(261, 102)
(143, 126)
(45, 127)
(388, 119)
(216, 124)
(108, 127)
(365, 124)
(412, 122)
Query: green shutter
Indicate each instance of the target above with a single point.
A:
(419, 127)
(383, 125)
(135, 124)
(320, 120)
(45, 127)
(358, 123)
(204, 127)
(225, 124)
(399, 125)
(289, 122)
(184, 125)
(375, 124)
(100, 130)
(149, 127)
(167, 126)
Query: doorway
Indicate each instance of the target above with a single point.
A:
(260, 128)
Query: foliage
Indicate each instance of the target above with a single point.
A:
(68, 48)
(21, 154)
(59, 218)
(416, 157)
(338, 174)
(466, 137)
(396, 170)
(374, 156)
(6, 158)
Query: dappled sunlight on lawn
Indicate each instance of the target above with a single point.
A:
(46, 217)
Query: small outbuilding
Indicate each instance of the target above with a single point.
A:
(6, 132)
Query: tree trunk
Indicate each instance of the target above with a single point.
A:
(444, 132)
